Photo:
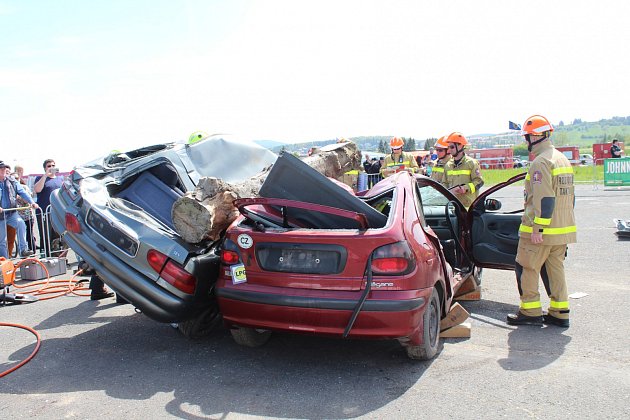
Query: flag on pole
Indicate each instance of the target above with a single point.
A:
(514, 126)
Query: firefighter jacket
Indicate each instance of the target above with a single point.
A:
(466, 172)
(404, 161)
(437, 172)
(549, 197)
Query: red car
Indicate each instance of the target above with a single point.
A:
(310, 257)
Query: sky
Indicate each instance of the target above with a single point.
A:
(81, 78)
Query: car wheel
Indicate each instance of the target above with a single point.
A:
(202, 325)
(250, 337)
(431, 331)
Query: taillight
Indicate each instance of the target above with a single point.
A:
(389, 265)
(72, 223)
(229, 257)
(172, 272)
(156, 260)
(175, 274)
(393, 260)
(229, 253)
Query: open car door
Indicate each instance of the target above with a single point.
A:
(494, 218)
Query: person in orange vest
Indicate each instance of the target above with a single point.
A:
(547, 226)
(398, 160)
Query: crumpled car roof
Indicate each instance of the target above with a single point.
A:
(222, 157)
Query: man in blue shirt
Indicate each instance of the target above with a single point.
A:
(44, 186)
(9, 190)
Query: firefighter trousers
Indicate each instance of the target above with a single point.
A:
(547, 262)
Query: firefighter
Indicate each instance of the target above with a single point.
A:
(437, 172)
(398, 160)
(547, 226)
(462, 173)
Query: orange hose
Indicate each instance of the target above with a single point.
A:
(33, 353)
(49, 286)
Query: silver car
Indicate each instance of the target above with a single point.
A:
(115, 213)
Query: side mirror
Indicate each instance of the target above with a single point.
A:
(492, 205)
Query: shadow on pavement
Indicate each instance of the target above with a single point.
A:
(529, 347)
(532, 348)
(132, 357)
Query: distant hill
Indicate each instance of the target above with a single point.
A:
(585, 133)
(576, 133)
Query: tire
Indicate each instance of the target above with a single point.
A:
(430, 332)
(250, 337)
(202, 325)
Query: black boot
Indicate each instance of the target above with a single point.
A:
(550, 319)
(101, 294)
(521, 319)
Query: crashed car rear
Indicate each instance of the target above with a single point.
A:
(309, 257)
(115, 213)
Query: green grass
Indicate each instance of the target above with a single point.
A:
(582, 175)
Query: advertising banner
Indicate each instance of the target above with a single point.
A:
(617, 172)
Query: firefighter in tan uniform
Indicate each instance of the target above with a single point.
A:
(547, 226)
(462, 173)
(398, 160)
(437, 172)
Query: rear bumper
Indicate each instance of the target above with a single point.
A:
(142, 292)
(385, 314)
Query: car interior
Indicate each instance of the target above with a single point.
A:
(155, 191)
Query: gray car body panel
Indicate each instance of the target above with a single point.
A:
(131, 275)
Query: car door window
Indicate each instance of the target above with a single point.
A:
(433, 204)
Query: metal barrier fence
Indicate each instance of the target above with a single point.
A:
(40, 236)
(50, 242)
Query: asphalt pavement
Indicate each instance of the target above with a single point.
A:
(99, 359)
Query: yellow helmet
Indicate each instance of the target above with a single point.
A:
(197, 136)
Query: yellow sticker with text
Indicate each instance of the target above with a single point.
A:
(238, 274)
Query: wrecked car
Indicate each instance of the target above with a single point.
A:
(623, 228)
(309, 257)
(115, 213)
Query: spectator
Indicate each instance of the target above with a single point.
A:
(44, 186)
(26, 214)
(615, 150)
(433, 154)
(9, 190)
(367, 164)
(373, 172)
(19, 174)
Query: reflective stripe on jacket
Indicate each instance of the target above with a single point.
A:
(466, 173)
(437, 173)
(549, 197)
(404, 161)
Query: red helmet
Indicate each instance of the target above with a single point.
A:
(396, 142)
(537, 125)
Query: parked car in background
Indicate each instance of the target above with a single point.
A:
(586, 159)
(517, 162)
(310, 257)
(115, 213)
